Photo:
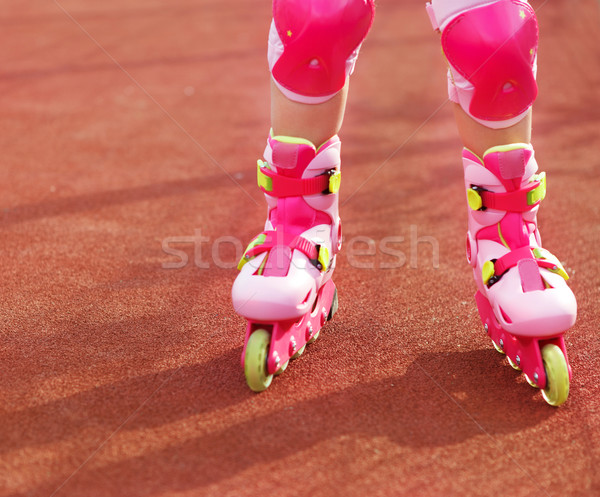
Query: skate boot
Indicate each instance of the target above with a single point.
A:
(522, 296)
(284, 288)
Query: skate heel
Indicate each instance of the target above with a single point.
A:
(543, 361)
(269, 347)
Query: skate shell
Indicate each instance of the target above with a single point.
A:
(540, 313)
(278, 298)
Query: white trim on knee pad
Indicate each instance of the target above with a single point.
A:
(441, 12)
(460, 91)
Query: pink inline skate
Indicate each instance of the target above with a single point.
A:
(523, 299)
(284, 287)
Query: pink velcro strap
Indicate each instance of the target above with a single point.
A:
(528, 266)
(530, 275)
(280, 238)
(278, 261)
(511, 259)
(517, 201)
(284, 186)
(272, 238)
(546, 264)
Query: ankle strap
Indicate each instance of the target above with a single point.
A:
(522, 200)
(276, 185)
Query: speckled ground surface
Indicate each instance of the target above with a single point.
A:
(129, 131)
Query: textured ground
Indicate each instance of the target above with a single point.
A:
(129, 131)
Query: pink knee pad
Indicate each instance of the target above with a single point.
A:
(317, 45)
(491, 50)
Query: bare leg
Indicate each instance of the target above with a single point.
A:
(316, 123)
(479, 138)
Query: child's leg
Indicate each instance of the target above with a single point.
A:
(315, 122)
(284, 287)
(479, 138)
(313, 47)
(523, 300)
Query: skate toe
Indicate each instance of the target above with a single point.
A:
(538, 313)
(276, 298)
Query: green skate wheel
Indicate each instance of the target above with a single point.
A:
(299, 352)
(282, 368)
(557, 375)
(315, 336)
(531, 382)
(255, 361)
(498, 348)
(513, 364)
(334, 307)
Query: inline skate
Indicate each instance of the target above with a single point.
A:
(284, 288)
(522, 296)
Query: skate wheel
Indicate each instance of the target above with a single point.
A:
(316, 335)
(557, 375)
(513, 364)
(498, 348)
(530, 381)
(334, 307)
(282, 368)
(255, 361)
(299, 353)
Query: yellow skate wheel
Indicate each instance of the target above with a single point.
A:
(498, 348)
(557, 375)
(531, 382)
(282, 368)
(334, 306)
(255, 361)
(299, 352)
(316, 335)
(513, 364)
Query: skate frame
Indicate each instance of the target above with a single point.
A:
(289, 337)
(523, 351)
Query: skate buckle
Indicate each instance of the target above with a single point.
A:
(488, 273)
(321, 262)
(259, 240)
(474, 198)
(552, 263)
(335, 179)
(265, 182)
(538, 194)
(323, 257)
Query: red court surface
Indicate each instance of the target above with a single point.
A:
(129, 133)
